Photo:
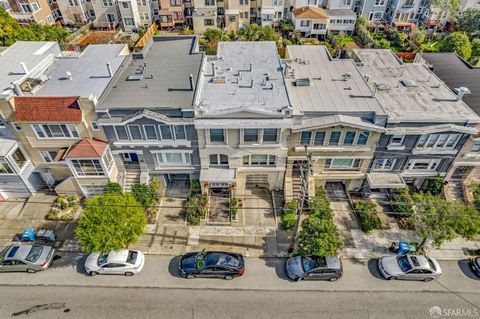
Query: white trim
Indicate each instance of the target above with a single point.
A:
(384, 161)
(94, 124)
(68, 126)
(131, 135)
(154, 129)
(161, 160)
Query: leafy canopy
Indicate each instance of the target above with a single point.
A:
(110, 222)
(319, 237)
(459, 43)
(469, 21)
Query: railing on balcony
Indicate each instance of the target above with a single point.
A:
(22, 16)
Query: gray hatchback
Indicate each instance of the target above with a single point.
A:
(29, 258)
(314, 268)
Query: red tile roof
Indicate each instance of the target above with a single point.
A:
(87, 148)
(47, 109)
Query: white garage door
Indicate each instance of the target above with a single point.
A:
(257, 180)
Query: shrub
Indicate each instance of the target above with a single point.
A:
(476, 193)
(319, 237)
(195, 186)
(289, 220)
(144, 194)
(366, 212)
(151, 214)
(234, 207)
(402, 202)
(320, 204)
(62, 202)
(435, 186)
(197, 209)
(112, 188)
(157, 187)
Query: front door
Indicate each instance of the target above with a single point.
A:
(134, 157)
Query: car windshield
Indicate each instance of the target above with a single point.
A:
(34, 253)
(404, 264)
(432, 265)
(308, 264)
(132, 257)
(102, 259)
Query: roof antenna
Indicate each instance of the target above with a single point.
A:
(109, 68)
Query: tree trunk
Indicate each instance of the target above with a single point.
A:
(422, 244)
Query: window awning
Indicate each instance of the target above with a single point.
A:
(385, 180)
(225, 175)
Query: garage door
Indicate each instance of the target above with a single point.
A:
(92, 190)
(257, 180)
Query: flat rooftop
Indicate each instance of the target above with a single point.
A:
(410, 92)
(31, 53)
(158, 77)
(334, 85)
(456, 73)
(247, 76)
(88, 70)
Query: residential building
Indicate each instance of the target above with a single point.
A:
(268, 12)
(456, 73)
(337, 122)
(427, 123)
(204, 15)
(243, 118)
(433, 15)
(372, 10)
(341, 20)
(236, 13)
(147, 116)
(29, 11)
(404, 14)
(135, 14)
(51, 109)
(173, 12)
(310, 21)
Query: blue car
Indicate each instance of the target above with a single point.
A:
(212, 264)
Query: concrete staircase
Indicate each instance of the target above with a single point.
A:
(456, 192)
(296, 183)
(132, 176)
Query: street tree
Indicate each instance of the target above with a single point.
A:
(476, 47)
(439, 220)
(459, 43)
(469, 21)
(319, 237)
(110, 222)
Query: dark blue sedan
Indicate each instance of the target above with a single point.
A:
(212, 264)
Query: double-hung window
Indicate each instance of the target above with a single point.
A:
(305, 138)
(150, 131)
(135, 132)
(319, 138)
(363, 138)
(173, 158)
(250, 135)
(334, 138)
(270, 135)
(343, 163)
(438, 141)
(384, 164)
(48, 156)
(349, 138)
(122, 133)
(259, 160)
(423, 164)
(218, 160)
(180, 133)
(217, 135)
(166, 132)
(44, 131)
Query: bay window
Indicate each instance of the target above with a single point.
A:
(363, 138)
(150, 132)
(343, 163)
(173, 158)
(438, 141)
(5, 167)
(259, 160)
(166, 132)
(88, 167)
(334, 138)
(180, 133)
(121, 132)
(218, 160)
(135, 132)
(44, 131)
(349, 138)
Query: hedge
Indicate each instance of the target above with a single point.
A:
(366, 212)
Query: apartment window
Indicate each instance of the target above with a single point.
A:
(19, 158)
(208, 22)
(304, 23)
(175, 3)
(250, 135)
(334, 138)
(305, 138)
(232, 18)
(5, 167)
(379, 2)
(259, 160)
(243, 2)
(384, 164)
(95, 126)
(409, 3)
(319, 138)
(128, 21)
(25, 7)
(142, 2)
(177, 16)
(35, 6)
(88, 167)
(107, 3)
(150, 132)
(343, 163)
(209, 2)
(377, 15)
(345, 3)
(16, 126)
(277, 2)
(349, 138)
(363, 138)
(312, 2)
(173, 158)
(55, 131)
(218, 159)
(270, 135)
(217, 135)
(180, 133)
(423, 164)
(476, 146)
(121, 132)
(135, 132)
(48, 156)
(438, 141)
(166, 132)
(108, 160)
(319, 26)
(397, 139)
(125, 5)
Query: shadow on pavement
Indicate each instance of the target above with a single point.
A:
(373, 268)
(173, 267)
(464, 266)
(279, 265)
(71, 260)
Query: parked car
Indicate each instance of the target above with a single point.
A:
(121, 262)
(475, 265)
(409, 267)
(212, 264)
(29, 258)
(314, 268)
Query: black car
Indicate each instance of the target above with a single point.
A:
(212, 264)
(475, 265)
(314, 268)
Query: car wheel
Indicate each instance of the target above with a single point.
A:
(392, 278)
(93, 273)
(428, 279)
(129, 274)
(31, 271)
(334, 279)
(190, 276)
(298, 279)
(228, 277)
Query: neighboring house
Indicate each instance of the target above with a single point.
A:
(268, 12)
(372, 10)
(204, 15)
(147, 115)
(341, 20)
(433, 15)
(53, 108)
(173, 13)
(243, 118)
(337, 122)
(310, 21)
(427, 123)
(135, 14)
(29, 11)
(404, 14)
(456, 73)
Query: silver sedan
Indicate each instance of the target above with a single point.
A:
(122, 262)
(409, 267)
(29, 258)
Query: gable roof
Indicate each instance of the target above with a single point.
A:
(335, 120)
(47, 109)
(309, 13)
(87, 148)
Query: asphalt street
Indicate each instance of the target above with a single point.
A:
(65, 291)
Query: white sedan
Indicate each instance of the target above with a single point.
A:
(121, 262)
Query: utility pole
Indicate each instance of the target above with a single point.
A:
(305, 172)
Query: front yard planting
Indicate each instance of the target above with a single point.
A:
(366, 212)
(289, 215)
(64, 208)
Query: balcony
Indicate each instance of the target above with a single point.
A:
(23, 16)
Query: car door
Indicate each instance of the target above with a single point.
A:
(21, 266)
(119, 269)
(6, 266)
(414, 274)
(208, 272)
(108, 268)
(315, 274)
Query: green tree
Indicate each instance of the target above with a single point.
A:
(212, 34)
(402, 202)
(110, 222)
(469, 21)
(366, 212)
(112, 188)
(435, 185)
(144, 194)
(476, 47)
(439, 220)
(319, 237)
(459, 43)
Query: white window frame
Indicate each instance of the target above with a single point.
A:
(16, 126)
(100, 160)
(139, 130)
(174, 135)
(268, 162)
(161, 159)
(70, 128)
(47, 157)
(351, 167)
(154, 129)
(95, 126)
(475, 147)
(126, 131)
(455, 137)
(432, 165)
(216, 142)
(218, 164)
(95, 187)
(380, 3)
(383, 164)
(402, 139)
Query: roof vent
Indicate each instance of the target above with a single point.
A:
(302, 82)
(219, 79)
(69, 75)
(460, 92)
(346, 76)
(409, 83)
(384, 87)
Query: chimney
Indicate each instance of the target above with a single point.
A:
(461, 91)
(24, 67)
(69, 75)
(213, 69)
(190, 77)
(109, 68)
(17, 89)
